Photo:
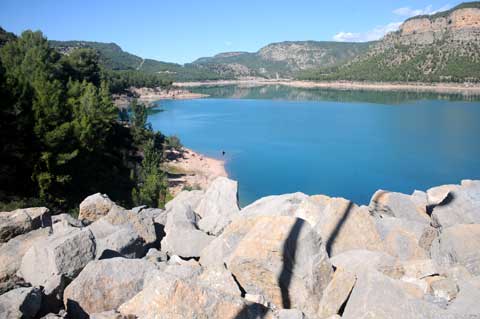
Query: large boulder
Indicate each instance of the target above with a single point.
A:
(360, 261)
(219, 250)
(336, 293)
(277, 205)
(22, 221)
(298, 205)
(143, 224)
(283, 259)
(466, 304)
(459, 244)
(218, 206)
(95, 207)
(219, 278)
(186, 198)
(20, 303)
(345, 226)
(398, 205)
(117, 240)
(169, 297)
(378, 296)
(460, 205)
(63, 253)
(182, 236)
(105, 284)
(11, 254)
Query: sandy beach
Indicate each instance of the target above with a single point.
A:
(191, 170)
(450, 88)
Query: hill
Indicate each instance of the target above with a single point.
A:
(444, 47)
(114, 58)
(283, 59)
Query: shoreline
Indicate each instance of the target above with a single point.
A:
(448, 88)
(192, 170)
(148, 96)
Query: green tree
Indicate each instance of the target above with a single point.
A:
(152, 187)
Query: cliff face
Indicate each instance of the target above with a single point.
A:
(460, 25)
(444, 47)
(284, 58)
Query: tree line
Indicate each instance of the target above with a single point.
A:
(61, 136)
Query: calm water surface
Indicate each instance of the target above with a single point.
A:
(339, 143)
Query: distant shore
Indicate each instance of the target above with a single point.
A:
(449, 88)
(148, 96)
(191, 170)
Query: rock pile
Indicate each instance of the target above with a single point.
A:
(290, 256)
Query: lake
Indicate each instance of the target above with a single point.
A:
(339, 143)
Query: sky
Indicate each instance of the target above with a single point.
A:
(184, 30)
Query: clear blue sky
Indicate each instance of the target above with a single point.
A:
(183, 30)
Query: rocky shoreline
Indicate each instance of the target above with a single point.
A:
(467, 89)
(289, 256)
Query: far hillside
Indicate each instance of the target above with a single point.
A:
(114, 58)
(444, 47)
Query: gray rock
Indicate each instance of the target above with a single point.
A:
(218, 206)
(345, 226)
(186, 198)
(107, 315)
(219, 250)
(398, 205)
(66, 220)
(143, 224)
(182, 237)
(278, 205)
(336, 293)
(95, 207)
(191, 301)
(290, 314)
(52, 300)
(124, 242)
(444, 289)
(60, 254)
(461, 206)
(22, 221)
(360, 261)
(219, 278)
(20, 303)
(404, 238)
(104, 285)
(154, 255)
(117, 240)
(459, 244)
(382, 297)
(283, 259)
(186, 243)
(466, 304)
(11, 254)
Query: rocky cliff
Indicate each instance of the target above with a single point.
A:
(283, 59)
(444, 47)
(287, 256)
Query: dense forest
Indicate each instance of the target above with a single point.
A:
(63, 139)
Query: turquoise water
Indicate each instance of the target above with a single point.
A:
(348, 144)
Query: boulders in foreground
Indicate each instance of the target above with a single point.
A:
(20, 303)
(105, 284)
(21, 221)
(287, 256)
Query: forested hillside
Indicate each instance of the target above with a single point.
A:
(62, 138)
(113, 58)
